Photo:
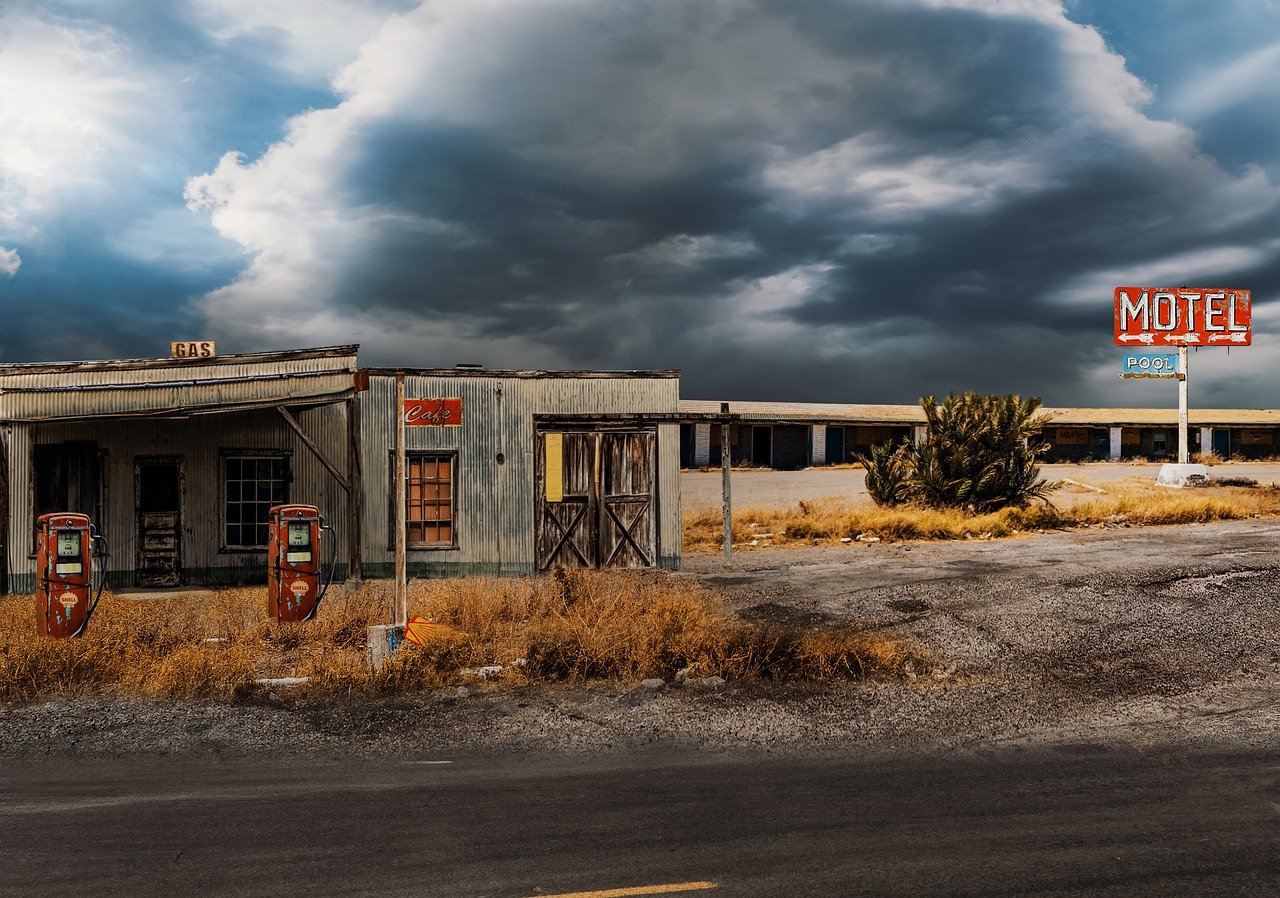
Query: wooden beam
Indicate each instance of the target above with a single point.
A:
(355, 495)
(315, 450)
(401, 611)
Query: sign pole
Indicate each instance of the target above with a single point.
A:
(402, 585)
(1183, 441)
(726, 464)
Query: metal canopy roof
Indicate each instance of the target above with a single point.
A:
(176, 388)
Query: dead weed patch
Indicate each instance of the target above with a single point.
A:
(569, 627)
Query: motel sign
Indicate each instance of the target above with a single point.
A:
(1151, 316)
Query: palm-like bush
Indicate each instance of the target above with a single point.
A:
(980, 454)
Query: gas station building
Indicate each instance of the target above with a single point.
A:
(177, 461)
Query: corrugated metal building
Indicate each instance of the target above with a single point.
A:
(543, 468)
(177, 460)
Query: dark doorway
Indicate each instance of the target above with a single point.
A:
(68, 477)
(159, 518)
(762, 446)
(1222, 442)
(835, 444)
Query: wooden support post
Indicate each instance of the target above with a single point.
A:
(725, 465)
(355, 495)
(401, 611)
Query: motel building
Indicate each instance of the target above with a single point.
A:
(790, 436)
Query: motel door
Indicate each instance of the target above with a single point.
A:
(159, 517)
(596, 498)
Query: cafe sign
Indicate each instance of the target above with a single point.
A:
(433, 412)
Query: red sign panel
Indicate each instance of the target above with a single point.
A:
(1157, 316)
(433, 412)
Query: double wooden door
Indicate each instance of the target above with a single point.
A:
(596, 498)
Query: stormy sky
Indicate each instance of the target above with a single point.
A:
(809, 200)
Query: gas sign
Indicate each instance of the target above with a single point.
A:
(1151, 316)
(1150, 364)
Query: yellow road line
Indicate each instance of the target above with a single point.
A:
(667, 889)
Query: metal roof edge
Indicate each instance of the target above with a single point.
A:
(281, 355)
(525, 373)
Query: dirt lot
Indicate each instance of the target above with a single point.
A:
(1123, 636)
(772, 489)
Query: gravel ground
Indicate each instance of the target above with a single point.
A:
(1116, 636)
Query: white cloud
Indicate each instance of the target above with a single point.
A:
(315, 38)
(74, 109)
(896, 189)
(1252, 77)
(10, 261)
(1191, 268)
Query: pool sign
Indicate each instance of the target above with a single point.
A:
(1180, 316)
(1150, 364)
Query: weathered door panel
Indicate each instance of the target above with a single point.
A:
(568, 529)
(627, 499)
(605, 516)
(159, 517)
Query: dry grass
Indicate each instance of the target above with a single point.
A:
(833, 519)
(572, 626)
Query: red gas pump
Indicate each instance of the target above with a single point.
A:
(294, 590)
(65, 543)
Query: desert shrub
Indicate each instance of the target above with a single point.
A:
(979, 455)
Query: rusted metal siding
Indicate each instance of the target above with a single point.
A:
(495, 501)
(19, 543)
(200, 443)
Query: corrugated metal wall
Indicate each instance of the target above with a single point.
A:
(495, 502)
(198, 442)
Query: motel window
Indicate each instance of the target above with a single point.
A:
(430, 488)
(251, 484)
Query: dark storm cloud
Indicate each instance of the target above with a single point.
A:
(817, 201)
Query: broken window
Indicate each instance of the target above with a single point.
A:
(252, 484)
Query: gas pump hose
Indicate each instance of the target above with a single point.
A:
(102, 582)
(333, 560)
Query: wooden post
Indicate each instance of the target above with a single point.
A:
(401, 611)
(355, 496)
(725, 458)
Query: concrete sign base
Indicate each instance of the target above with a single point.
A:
(1182, 475)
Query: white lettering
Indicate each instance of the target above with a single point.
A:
(1131, 308)
(1170, 304)
(1232, 305)
(1213, 310)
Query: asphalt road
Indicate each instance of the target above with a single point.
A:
(1079, 820)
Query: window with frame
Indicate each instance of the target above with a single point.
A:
(251, 485)
(429, 494)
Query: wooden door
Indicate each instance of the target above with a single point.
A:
(596, 507)
(567, 527)
(628, 476)
(159, 516)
